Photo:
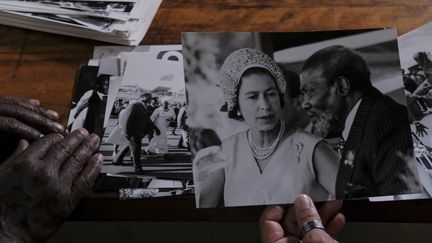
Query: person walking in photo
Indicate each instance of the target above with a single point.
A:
(161, 117)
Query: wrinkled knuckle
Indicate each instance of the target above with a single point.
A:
(52, 138)
(76, 161)
(62, 149)
(90, 147)
(17, 112)
(308, 215)
(9, 124)
(86, 150)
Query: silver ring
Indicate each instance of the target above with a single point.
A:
(313, 224)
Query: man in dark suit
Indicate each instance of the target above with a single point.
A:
(97, 102)
(138, 125)
(376, 156)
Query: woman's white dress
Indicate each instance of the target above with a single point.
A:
(161, 118)
(289, 172)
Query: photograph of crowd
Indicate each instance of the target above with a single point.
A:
(416, 64)
(144, 133)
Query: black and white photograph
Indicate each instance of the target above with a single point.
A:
(103, 9)
(146, 143)
(89, 101)
(273, 115)
(416, 64)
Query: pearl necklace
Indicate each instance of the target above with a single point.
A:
(262, 153)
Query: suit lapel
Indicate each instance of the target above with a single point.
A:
(349, 159)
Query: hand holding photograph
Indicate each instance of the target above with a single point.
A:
(273, 115)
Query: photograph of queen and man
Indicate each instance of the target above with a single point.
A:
(321, 113)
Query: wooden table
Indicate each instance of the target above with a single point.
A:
(43, 66)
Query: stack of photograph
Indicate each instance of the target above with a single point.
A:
(134, 99)
(120, 21)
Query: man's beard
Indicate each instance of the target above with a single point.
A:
(326, 125)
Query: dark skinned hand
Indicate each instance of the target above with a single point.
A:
(280, 226)
(42, 183)
(24, 119)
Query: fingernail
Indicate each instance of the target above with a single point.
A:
(99, 157)
(53, 114)
(304, 202)
(94, 139)
(99, 161)
(34, 102)
(59, 127)
(83, 131)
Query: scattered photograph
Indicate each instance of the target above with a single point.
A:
(416, 64)
(146, 142)
(273, 115)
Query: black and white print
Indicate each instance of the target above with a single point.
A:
(272, 115)
(89, 101)
(146, 145)
(416, 64)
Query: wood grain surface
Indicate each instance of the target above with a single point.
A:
(43, 66)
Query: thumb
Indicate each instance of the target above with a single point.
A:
(22, 145)
(305, 212)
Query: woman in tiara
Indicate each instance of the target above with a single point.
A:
(269, 163)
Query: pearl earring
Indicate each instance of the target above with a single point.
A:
(239, 113)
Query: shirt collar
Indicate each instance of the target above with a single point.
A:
(350, 119)
(101, 95)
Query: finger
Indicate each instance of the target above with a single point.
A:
(78, 159)
(329, 210)
(335, 225)
(40, 147)
(32, 118)
(62, 150)
(30, 104)
(290, 222)
(21, 147)
(11, 126)
(270, 227)
(305, 212)
(83, 185)
(6, 99)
